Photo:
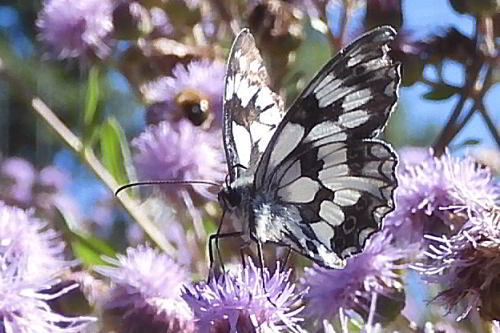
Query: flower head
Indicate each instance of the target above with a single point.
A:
(74, 29)
(179, 151)
(374, 271)
(17, 177)
(31, 257)
(146, 292)
(467, 266)
(193, 92)
(238, 302)
(24, 237)
(436, 195)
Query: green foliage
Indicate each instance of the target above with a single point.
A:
(115, 151)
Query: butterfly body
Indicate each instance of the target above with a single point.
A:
(313, 178)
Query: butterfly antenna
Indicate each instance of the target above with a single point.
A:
(162, 182)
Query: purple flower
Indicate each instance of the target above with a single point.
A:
(374, 271)
(467, 266)
(193, 92)
(160, 21)
(437, 195)
(31, 257)
(411, 156)
(26, 237)
(237, 302)
(74, 29)
(17, 177)
(179, 151)
(146, 292)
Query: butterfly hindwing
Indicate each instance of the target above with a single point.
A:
(322, 163)
(341, 192)
(252, 111)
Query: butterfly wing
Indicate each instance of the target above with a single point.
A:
(322, 163)
(252, 111)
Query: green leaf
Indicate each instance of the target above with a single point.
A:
(441, 92)
(89, 249)
(115, 151)
(86, 247)
(92, 97)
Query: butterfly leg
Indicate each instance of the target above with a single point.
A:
(287, 256)
(215, 237)
(260, 253)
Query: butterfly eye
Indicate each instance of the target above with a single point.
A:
(229, 199)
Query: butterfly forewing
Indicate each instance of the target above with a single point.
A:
(252, 111)
(322, 163)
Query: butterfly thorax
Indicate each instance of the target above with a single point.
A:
(254, 211)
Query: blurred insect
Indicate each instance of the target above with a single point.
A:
(312, 179)
(196, 107)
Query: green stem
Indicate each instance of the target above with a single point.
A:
(88, 157)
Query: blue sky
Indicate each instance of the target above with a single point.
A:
(424, 17)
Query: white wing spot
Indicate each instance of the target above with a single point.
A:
(326, 128)
(348, 252)
(301, 190)
(369, 185)
(331, 213)
(292, 174)
(330, 258)
(243, 143)
(364, 233)
(326, 80)
(245, 91)
(357, 98)
(328, 174)
(229, 88)
(289, 138)
(346, 197)
(354, 118)
(389, 89)
(323, 231)
(332, 154)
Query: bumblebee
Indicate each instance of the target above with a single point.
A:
(196, 107)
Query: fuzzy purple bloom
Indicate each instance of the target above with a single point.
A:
(146, 292)
(17, 177)
(179, 151)
(237, 302)
(436, 196)
(24, 236)
(192, 91)
(73, 29)
(374, 271)
(31, 258)
(467, 266)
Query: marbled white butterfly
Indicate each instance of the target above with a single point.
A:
(313, 179)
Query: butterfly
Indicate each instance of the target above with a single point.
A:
(314, 179)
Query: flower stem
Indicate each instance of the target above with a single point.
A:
(88, 157)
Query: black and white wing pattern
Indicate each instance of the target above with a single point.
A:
(252, 111)
(327, 183)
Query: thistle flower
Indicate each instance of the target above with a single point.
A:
(26, 237)
(73, 29)
(436, 196)
(467, 266)
(237, 302)
(179, 151)
(374, 271)
(146, 292)
(17, 177)
(31, 257)
(193, 92)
